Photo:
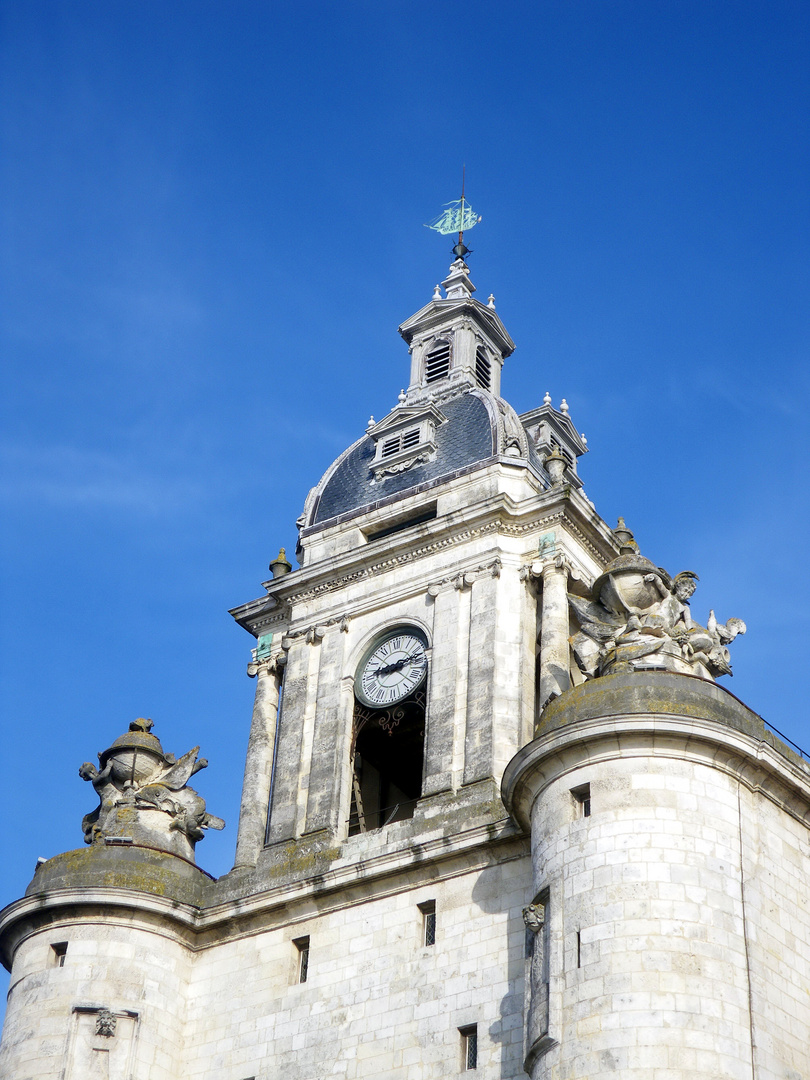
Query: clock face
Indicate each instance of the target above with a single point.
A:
(393, 670)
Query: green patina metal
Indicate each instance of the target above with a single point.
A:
(547, 543)
(263, 646)
(457, 217)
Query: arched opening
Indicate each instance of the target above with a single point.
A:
(388, 734)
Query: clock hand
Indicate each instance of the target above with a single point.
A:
(397, 665)
(389, 669)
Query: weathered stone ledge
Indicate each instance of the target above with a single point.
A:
(660, 714)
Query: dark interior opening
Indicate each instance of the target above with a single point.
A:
(388, 753)
(426, 515)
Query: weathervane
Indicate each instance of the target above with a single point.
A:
(456, 217)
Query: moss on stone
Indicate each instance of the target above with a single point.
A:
(139, 869)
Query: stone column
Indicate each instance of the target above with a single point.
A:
(259, 762)
(554, 649)
(291, 743)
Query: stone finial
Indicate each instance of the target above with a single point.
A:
(280, 565)
(547, 398)
(457, 285)
(144, 795)
(401, 397)
(564, 407)
(491, 301)
(371, 422)
(624, 538)
(437, 292)
(555, 462)
(584, 440)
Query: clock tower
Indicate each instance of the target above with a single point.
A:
(496, 815)
(404, 649)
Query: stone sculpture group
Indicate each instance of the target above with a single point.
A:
(638, 617)
(144, 795)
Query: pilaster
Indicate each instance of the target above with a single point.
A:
(448, 671)
(330, 724)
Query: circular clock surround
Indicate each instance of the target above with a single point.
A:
(393, 666)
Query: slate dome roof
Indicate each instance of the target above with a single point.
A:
(479, 426)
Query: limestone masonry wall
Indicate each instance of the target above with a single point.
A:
(677, 924)
(140, 976)
(377, 1001)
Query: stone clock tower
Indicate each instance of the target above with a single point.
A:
(497, 815)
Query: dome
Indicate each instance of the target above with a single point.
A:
(473, 428)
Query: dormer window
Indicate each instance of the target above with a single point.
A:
(437, 363)
(483, 368)
(404, 438)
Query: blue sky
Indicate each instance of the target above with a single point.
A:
(212, 227)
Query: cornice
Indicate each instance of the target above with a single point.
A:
(437, 859)
(755, 762)
(500, 519)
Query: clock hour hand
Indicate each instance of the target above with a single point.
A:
(397, 665)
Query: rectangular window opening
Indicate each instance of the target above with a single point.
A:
(428, 910)
(418, 519)
(483, 369)
(579, 949)
(58, 953)
(390, 446)
(582, 798)
(437, 364)
(469, 1047)
(302, 960)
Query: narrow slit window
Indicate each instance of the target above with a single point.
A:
(483, 368)
(58, 953)
(579, 948)
(437, 364)
(428, 910)
(302, 959)
(469, 1047)
(582, 800)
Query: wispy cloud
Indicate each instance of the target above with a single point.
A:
(71, 477)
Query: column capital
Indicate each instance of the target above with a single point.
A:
(266, 666)
(542, 569)
(558, 564)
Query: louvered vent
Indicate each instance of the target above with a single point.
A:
(400, 442)
(437, 364)
(483, 368)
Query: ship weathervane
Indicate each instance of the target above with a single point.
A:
(457, 217)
